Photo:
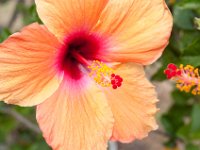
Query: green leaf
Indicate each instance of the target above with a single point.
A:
(192, 147)
(189, 4)
(29, 14)
(167, 124)
(173, 119)
(184, 132)
(191, 131)
(180, 98)
(189, 43)
(4, 33)
(194, 135)
(39, 145)
(171, 143)
(191, 60)
(195, 126)
(3, 1)
(193, 49)
(7, 124)
(183, 18)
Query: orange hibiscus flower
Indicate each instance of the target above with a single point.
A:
(83, 69)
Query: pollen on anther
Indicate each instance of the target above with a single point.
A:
(187, 77)
(104, 75)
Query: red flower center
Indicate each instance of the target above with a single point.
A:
(81, 54)
(77, 48)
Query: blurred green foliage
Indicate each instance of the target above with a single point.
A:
(5, 32)
(14, 134)
(181, 122)
(29, 13)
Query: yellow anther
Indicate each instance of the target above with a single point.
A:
(181, 66)
(101, 73)
(188, 80)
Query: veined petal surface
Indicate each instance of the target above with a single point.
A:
(133, 104)
(27, 72)
(64, 16)
(76, 118)
(139, 29)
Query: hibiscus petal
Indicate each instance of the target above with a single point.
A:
(132, 104)
(27, 74)
(139, 29)
(76, 118)
(64, 16)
